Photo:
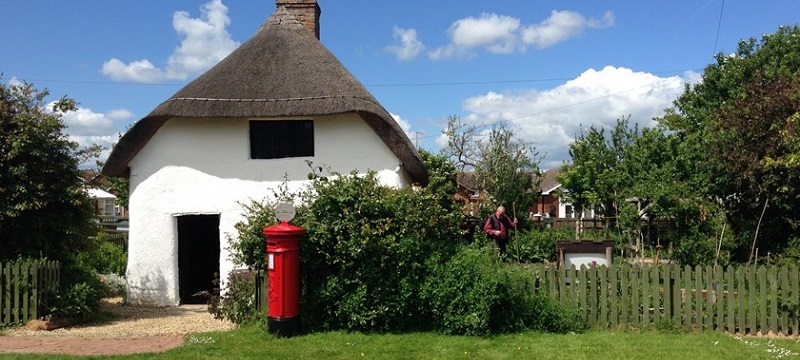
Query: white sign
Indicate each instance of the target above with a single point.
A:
(271, 262)
(285, 212)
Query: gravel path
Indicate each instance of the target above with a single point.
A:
(135, 329)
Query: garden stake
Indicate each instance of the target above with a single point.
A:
(755, 237)
(516, 237)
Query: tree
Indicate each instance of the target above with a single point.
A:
(504, 165)
(632, 177)
(736, 132)
(44, 210)
(442, 179)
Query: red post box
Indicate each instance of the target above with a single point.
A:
(283, 268)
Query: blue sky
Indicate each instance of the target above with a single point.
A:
(548, 68)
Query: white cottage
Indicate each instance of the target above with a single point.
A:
(231, 135)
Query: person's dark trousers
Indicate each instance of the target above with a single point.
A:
(501, 244)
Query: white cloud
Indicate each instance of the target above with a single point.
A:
(119, 114)
(550, 119)
(562, 25)
(405, 125)
(87, 128)
(502, 34)
(14, 81)
(409, 46)
(205, 42)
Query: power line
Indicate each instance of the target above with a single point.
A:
(455, 83)
(90, 82)
(417, 138)
(421, 84)
(719, 25)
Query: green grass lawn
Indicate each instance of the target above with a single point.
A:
(253, 343)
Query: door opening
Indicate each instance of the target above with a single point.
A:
(198, 257)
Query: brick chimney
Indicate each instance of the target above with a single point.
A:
(307, 11)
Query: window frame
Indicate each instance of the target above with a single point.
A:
(270, 139)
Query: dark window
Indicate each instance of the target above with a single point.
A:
(281, 139)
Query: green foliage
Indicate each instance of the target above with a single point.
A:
(547, 315)
(365, 253)
(79, 295)
(379, 259)
(475, 294)
(465, 292)
(237, 305)
(44, 211)
(629, 176)
(104, 257)
(442, 179)
(738, 138)
(695, 250)
(119, 186)
(503, 164)
(539, 245)
(250, 246)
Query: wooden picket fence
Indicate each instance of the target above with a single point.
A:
(24, 284)
(118, 238)
(734, 300)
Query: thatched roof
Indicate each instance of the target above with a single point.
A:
(283, 70)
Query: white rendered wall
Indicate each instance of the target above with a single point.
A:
(203, 166)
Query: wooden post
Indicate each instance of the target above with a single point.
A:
(785, 292)
(516, 236)
(763, 325)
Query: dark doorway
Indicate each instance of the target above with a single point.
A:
(198, 257)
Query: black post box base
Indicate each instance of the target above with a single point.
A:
(284, 326)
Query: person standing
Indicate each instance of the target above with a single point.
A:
(497, 227)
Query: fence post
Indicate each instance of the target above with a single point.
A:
(675, 282)
(33, 272)
(741, 300)
(772, 276)
(666, 280)
(710, 297)
(624, 295)
(636, 297)
(763, 324)
(785, 291)
(4, 310)
(613, 285)
(645, 295)
(552, 281)
(593, 304)
(794, 322)
(732, 301)
(656, 289)
(752, 288)
(720, 300)
(581, 283)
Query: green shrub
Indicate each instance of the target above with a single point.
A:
(365, 253)
(79, 294)
(250, 247)
(548, 315)
(238, 304)
(539, 245)
(104, 257)
(475, 294)
(379, 259)
(695, 249)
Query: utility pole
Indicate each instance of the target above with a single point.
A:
(416, 138)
